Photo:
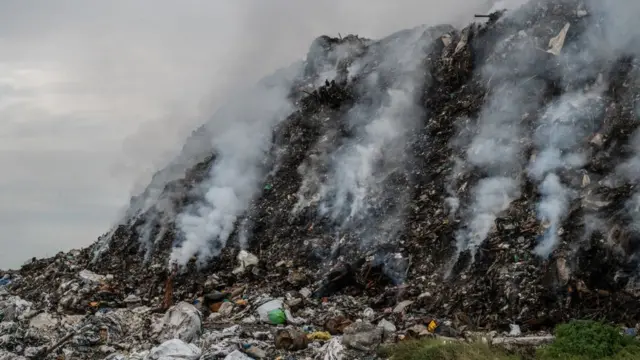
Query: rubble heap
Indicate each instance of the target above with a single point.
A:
(440, 180)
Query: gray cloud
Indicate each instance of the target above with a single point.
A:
(95, 96)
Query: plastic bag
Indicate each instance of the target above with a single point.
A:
(272, 312)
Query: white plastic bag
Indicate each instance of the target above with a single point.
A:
(245, 259)
(333, 350)
(182, 321)
(269, 306)
(91, 277)
(238, 355)
(174, 349)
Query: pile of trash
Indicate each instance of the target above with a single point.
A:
(237, 324)
(474, 183)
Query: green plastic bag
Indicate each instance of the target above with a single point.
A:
(277, 316)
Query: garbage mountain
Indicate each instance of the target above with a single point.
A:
(438, 180)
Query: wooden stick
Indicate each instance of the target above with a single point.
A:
(62, 341)
(310, 94)
(406, 273)
(59, 343)
(168, 290)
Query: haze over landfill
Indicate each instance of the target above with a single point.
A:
(97, 97)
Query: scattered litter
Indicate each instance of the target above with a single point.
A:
(272, 312)
(433, 325)
(238, 355)
(245, 259)
(388, 327)
(556, 43)
(515, 330)
(174, 349)
(182, 321)
(91, 277)
(254, 351)
(402, 306)
(362, 336)
(524, 341)
(291, 339)
(319, 335)
(333, 350)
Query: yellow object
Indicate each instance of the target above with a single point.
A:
(432, 326)
(242, 302)
(319, 335)
(94, 303)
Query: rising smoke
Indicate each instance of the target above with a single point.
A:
(562, 126)
(241, 139)
(207, 225)
(496, 149)
(561, 129)
(551, 210)
(566, 124)
(360, 166)
(359, 169)
(630, 169)
(491, 197)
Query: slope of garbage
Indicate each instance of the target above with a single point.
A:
(475, 182)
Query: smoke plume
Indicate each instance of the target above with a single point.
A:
(551, 210)
(492, 196)
(496, 150)
(241, 141)
(561, 129)
(359, 169)
(562, 126)
(239, 137)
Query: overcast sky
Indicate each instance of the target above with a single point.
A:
(95, 95)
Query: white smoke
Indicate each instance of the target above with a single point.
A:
(498, 5)
(551, 211)
(491, 197)
(630, 171)
(498, 142)
(327, 69)
(242, 133)
(495, 149)
(356, 174)
(309, 193)
(361, 166)
(242, 137)
(630, 168)
(619, 33)
(565, 123)
(551, 159)
(560, 130)
(452, 200)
